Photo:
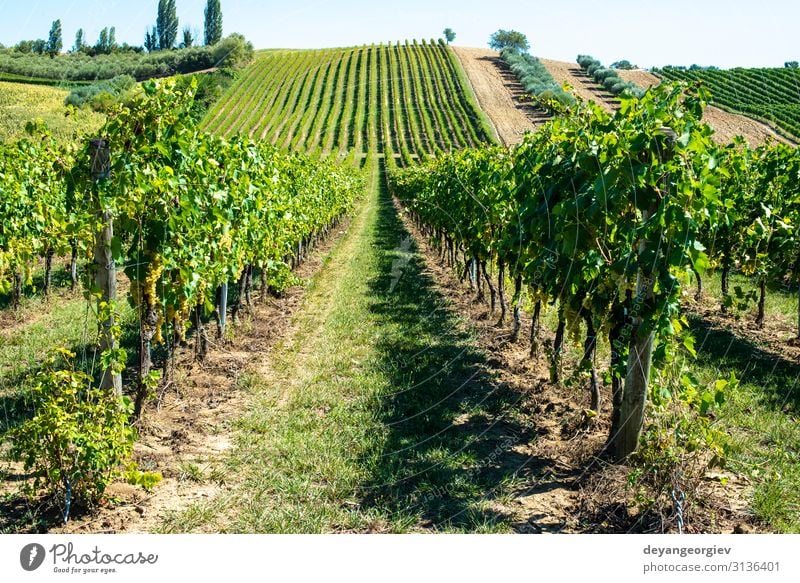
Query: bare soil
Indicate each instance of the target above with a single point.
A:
(582, 85)
(500, 94)
(726, 125)
(502, 97)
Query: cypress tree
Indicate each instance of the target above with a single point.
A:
(79, 42)
(56, 42)
(167, 24)
(213, 23)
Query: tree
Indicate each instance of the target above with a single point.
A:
(101, 47)
(232, 51)
(213, 23)
(79, 41)
(112, 39)
(167, 24)
(188, 38)
(509, 39)
(55, 42)
(151, 41)
(624, 64)
(449, 35)
(39, 46)
(791, 65)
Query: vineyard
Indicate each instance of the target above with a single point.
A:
(398, 324)
(405, 101)
(20, 104)
(767, 94)
(611, 218)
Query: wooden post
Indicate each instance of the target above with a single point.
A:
(105, 278)
(640, 355)
(222, 309)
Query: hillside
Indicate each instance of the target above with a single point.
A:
(499, 94)
(769, 94)
(20, 104)
(726, 124)
(502, 97)
(407, 101)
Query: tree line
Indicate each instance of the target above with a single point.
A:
(164, 35)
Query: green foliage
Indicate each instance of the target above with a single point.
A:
(106, 42)
(167, 24)
(147, 480)
(151, 40)
(449, 35)
(102, 97)
(79, 41)
(609, 78)
(188, 38)
(625, 65)
(767, 94)
(233, 51)
(332, 99)
(682, 440)
(78, 437)
(213, 22)
(511, 40)
(537, 80)
(564, 211)
(791, 65)
(55, 40)
(20, 103)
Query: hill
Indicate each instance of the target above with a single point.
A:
(407, 101)
(20, 104)
(772, 95)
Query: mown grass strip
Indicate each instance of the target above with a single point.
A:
(333, 440)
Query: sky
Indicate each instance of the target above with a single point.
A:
(725, 33)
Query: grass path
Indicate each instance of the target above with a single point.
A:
(374, 414)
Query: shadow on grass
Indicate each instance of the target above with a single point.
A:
(779, 377)
(451, 428)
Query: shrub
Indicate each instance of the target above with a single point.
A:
(232, 51)
(77, 439)
(590, 70)
(618, 88)
(602, 74)
(623, 64)
(535, 78)
(103, 96)
(610, 82)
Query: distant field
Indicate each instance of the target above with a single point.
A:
(409, 101)
(20, 104)
(769, 94)
(14, 78)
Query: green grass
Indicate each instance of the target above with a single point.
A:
(780, 306)
(41, 325)
(21, 103)
(761, 418)
(376, 414)
(49, 324)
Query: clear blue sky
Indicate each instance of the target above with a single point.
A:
(647, 32)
